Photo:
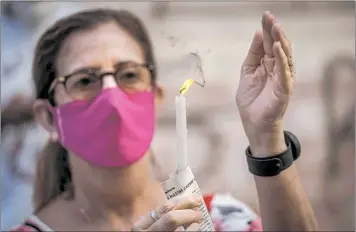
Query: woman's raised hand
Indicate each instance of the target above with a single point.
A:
(265, 87)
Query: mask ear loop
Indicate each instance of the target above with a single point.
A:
(189, 82)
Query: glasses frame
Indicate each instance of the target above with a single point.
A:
(63, 79)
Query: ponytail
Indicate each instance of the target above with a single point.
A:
(53, 176)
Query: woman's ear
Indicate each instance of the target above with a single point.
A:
(159, 94)
(43, 115)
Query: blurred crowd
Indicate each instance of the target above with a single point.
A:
(22, 139)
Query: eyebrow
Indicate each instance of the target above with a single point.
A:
(97, 68)
(121, 63)
(83, 69)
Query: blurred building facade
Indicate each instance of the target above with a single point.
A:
(322, 34)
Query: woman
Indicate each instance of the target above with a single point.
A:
(96, 84)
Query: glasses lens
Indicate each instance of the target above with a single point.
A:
(129, 76)
(83, 86)
(133, 77)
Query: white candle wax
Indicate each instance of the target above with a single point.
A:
(182, 131)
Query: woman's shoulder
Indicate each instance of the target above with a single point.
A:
(230, 214)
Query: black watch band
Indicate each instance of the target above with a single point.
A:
(272, 166)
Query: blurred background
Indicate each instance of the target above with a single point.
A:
(321, 113)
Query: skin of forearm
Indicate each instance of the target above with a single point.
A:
(284, 204)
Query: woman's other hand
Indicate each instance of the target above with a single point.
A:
(265, 88)
(176, 214)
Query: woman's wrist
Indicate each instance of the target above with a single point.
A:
(268, 144)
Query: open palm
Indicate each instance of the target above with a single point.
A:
(267, 79)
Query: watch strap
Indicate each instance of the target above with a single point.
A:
(273, 165)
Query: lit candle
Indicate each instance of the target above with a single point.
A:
(182, 131)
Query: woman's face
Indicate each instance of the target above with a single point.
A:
(104, 49)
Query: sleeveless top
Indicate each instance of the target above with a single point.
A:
(227, 213)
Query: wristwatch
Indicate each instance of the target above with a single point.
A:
(273, 165)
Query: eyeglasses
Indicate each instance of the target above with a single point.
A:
(86, 84)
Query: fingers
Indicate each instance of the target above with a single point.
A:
(146, 221)
(193, 227)
(281, 61)
(256, 52)
(176, 218)
(179, 203)
(279, 35)
(273, 32)
(282, 51)
(267, 23)
(187, 202)
(181, 228)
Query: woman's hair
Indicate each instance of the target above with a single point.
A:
(53, 175)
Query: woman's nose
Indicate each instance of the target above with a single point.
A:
(109, 81)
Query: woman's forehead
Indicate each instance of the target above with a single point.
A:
(103, 46)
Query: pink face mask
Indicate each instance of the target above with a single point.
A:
(114, 130)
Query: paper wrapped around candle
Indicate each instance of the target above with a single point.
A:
(184, 183)
(182, 131)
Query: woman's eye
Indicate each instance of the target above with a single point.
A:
(130, 75)
(85, 81)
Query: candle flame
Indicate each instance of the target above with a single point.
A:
(186, 85)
